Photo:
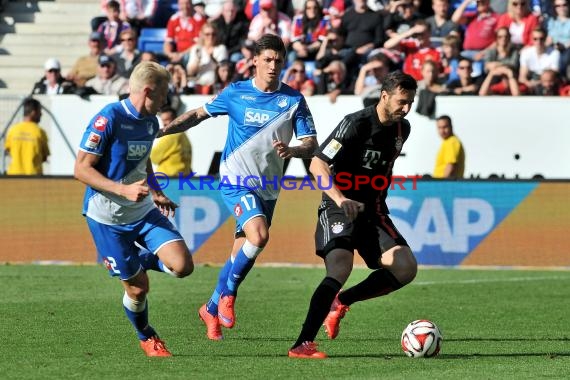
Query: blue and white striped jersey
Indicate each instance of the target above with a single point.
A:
(258, 118)
(123, 139)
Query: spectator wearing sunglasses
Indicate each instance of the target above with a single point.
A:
(520, 21)
(129, 56)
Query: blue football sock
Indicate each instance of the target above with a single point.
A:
(243, 263)
(137, 312)
(212, 304)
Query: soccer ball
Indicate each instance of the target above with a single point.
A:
(421, 338)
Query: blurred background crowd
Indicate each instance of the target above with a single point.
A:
(452, 47)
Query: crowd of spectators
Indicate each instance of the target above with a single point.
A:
(452, 47)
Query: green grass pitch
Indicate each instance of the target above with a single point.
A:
(62, 322)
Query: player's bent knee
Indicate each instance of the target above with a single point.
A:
(258, 239)
(137, 292)
(184, 270)
(404, 266)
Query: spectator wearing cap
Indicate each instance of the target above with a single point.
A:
(107, 81)
(232, 27)
(85, 67)
(182, 31)
(112, 28)
(129, 56)
(270, 21)
(53, 83)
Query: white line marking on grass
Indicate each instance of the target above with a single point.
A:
(487, 280)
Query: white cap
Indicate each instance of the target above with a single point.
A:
(51, 64)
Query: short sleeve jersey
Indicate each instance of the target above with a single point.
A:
(362, 146)
(256, 119)
(122, 137)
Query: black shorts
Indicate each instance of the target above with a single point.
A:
(370, 234)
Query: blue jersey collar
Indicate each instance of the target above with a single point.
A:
(130, 108)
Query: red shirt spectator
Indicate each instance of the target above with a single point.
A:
(184, 26)
(416, 46)
(416, 56)
(520, 21)
(480, 31)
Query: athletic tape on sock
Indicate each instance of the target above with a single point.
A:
(250, 250)
(133, 305)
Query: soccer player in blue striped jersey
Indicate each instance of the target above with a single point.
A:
(263, 116)
(121, 208)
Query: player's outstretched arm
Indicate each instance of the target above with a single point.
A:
(305, 150)
(184, 122)
(321, 171)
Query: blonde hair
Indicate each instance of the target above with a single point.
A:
(525, 8)
(452, 40)
(148, 73)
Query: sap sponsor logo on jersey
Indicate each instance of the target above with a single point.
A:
(93, 140)
(138, 149)
(256, 118)
(433, 226)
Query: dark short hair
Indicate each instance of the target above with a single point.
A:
(270, 42)
(397, 79)
(169, 109)
(446, 118)
(114, 5)
(30, 105)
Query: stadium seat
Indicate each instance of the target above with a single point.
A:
(152, 39)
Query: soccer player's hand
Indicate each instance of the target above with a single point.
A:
(282, 149)
(164, 204)
(135, 191)
(351, 208)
